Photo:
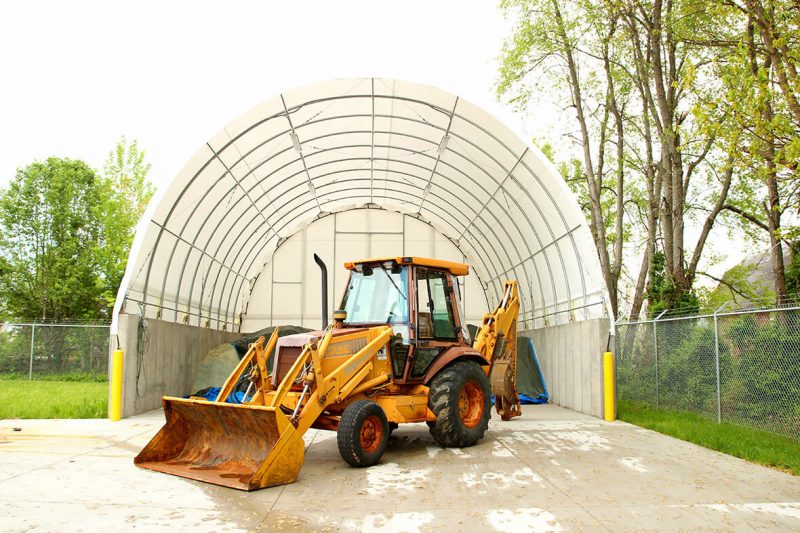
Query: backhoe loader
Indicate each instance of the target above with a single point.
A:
(396, 352)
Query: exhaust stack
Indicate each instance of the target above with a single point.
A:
(324, 272)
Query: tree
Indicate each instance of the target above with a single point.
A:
(65, 234)
(577, 45)
(674, 74)
(126, 193)
(634, 78)
(757, 63)
(50, 225)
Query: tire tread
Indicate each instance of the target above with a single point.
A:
(448, 430)
(348, 434)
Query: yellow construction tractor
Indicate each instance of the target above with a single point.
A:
(397, 351)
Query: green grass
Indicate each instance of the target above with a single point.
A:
(52, 399)
(64, 376)
(750, 444)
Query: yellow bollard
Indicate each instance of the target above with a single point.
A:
(115, 408)
(609, 413)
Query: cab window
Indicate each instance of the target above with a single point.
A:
(435, 319)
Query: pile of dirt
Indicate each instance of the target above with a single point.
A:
(219, 362)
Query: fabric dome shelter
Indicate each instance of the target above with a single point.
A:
(353, 144)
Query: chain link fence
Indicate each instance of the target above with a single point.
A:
(737, 366)
(75, 352)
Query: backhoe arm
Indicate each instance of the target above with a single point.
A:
(497, 342)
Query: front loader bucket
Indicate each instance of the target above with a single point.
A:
(244, 447)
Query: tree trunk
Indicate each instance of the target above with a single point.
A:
(594, 181)
(773, 212)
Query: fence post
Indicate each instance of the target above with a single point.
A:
(30, 367)
(716, 361)
(655, 348)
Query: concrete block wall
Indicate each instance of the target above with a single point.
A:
(571, 359)
(169, 363)
(570, 356)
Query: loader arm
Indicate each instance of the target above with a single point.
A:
(497, 342)
(320, 390)
(259, 443)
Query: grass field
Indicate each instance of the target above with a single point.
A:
(750, 444)
(52, 399)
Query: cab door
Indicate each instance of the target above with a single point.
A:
(436, 324)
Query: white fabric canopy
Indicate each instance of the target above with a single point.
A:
(355, 143)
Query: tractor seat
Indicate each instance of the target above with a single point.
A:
(425, 326)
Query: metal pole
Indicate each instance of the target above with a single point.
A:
(655, 348)
(716, 360)
(716, 353)
(609, 385)
(30, 368)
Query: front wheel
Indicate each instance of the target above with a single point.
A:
(460, 397)
(363, 433)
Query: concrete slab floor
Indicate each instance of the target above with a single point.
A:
(550, 470)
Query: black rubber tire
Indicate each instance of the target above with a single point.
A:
(449, 430)
(393, 426)
(363, 416)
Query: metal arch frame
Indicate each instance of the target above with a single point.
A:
(527, 192)
(387, 208)
(398, 117)
(301, 157)
(560, 214)
(375, 207)
(399, 200)
(447, 178)
(390, 146)
(193, 244)
(439, 153)
(459, 170)
(298, 196)
(228, 313)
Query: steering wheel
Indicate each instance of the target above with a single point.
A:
(392, 314)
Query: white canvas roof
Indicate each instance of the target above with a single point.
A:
(355, 143)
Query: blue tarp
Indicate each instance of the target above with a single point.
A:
(212, 393)
(542, 397)
(527, 400)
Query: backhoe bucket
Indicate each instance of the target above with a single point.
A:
(244, 447)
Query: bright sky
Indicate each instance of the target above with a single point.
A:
(78, 75)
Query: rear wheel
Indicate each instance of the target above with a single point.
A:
(363, 433)
(460, 397)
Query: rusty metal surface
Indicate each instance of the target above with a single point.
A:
(449, 356)
(504, 383)
(220, 443)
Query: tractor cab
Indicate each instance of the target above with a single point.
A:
(420, 298)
